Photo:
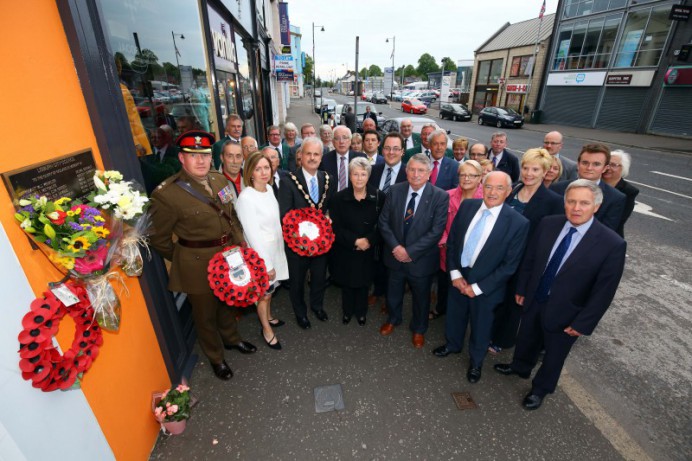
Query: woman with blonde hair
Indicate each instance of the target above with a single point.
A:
(533, 200)
(459, 148)
(357, 142)
(554, 172)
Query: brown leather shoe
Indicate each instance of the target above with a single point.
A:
(372, 300)
(386, 329)
(418, 340)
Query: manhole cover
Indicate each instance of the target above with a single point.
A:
(464, 401)
(328, 398)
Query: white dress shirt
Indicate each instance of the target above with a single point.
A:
(576, 238)
(417, 199)
(487, 229)
(395, 173)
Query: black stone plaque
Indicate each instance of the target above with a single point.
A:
(68, 176)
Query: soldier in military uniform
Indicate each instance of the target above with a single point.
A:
(195, 205)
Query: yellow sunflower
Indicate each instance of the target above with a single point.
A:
(78, 244)
(101, 232)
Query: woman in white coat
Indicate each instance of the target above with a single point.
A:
(258, 212)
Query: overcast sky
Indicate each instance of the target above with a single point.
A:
(453, 28)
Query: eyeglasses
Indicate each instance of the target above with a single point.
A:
(489, 188)
(341, 138)
(391, 149)
(469, 176)
(615, 165)
(551, 143)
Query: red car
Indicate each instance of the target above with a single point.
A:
(413, 106)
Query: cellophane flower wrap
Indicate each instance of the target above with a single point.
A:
(126, 201)
(79, 240)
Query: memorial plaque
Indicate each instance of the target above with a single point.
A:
(464, 401)
(68, 176)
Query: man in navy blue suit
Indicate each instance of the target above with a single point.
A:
(591, 163)
(484, 248)
(444, 170)
(411, 223)
(567, 281)
(502, 158)
(336, 161)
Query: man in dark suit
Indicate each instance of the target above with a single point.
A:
(383, 176)
(444, 170)
(411, 223)
(281, 147)
(336, 161)
(502, 158)
(371, 145)
(591, 163)
(163, 161)
(316, 189)
(349, 119)
(552, 142)
(484, 249)
(279, 176)
(567, 281)
(370, 115)
(234, 132)
(424, 146)
(411, 139)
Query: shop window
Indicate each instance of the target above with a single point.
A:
(483, 72)
(495, 71)
(160, 57)
(520, 66)
(576, 8)
(644, 37)
(586, 44)
(245, 85)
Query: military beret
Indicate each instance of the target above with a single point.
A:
(195, 142)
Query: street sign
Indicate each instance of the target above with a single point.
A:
(283, 63)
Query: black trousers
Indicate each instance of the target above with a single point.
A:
(507, 317)
(354, 301)
(298, 267)
(420, 292)
(443, 284)
(531, 339)
(379, 279)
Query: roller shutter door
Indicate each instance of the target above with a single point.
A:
(621, 109)
(570, 106)
(674, 115)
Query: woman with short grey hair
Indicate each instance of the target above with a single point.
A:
(614, 175)
(291, 135)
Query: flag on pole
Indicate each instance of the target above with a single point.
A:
(540, 15)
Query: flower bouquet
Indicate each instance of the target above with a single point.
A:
(308, 232)
(238, 276)
(172, 408)
(79, 240)
(126, 201)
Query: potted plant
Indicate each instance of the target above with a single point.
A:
(172, 408)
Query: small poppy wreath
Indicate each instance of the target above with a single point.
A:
(308, 232)
(43, 364)
(230, 293)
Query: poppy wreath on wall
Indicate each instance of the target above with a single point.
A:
(308, 232)
(240, 286)
(43, 364)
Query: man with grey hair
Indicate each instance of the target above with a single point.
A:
(307, 187)
(368, 125)
(336, 161)
(444, 170)
(425, 140)
(411, 223)
(484, 249)
(281, 147)
(502, 158)
(234, 132)
(567, 280)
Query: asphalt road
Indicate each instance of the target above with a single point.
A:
(637, 367)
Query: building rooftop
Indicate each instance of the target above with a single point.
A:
(519, 34)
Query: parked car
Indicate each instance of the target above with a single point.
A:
(378, 97)
(427, 97)
(454, 111)
(413, 106)
(366, 96)
(500, 116)
(360, 110)
(393, 124)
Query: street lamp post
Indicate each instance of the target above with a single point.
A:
(177, 53)
(314, 79)
(391, 90)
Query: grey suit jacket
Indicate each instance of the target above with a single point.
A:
(428, 224)
(569, 169)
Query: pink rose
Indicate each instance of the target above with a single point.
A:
(168, 404)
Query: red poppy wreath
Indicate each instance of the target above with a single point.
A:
(43, 364)
(308, 232)
(234, 286)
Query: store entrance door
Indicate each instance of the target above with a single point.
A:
(226, 89)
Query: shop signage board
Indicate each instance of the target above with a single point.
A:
(576, 78)
(284, 24)
(283, 63)
(680, 13)
(678, 76)
(222, 41)
(513, 88)
(388, 79)
(632, 78)
(70, 175)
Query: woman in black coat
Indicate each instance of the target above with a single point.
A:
(532, 199)
(618, 169)
(354, 212)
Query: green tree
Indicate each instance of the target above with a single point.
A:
(448, 64)
(307, 70)
(363, 72)
(375, 71)
(410, 71)
(426, 65)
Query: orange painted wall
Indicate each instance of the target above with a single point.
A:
(44, 116)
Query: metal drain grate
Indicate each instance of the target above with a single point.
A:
(464, 401)
(329, 398)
